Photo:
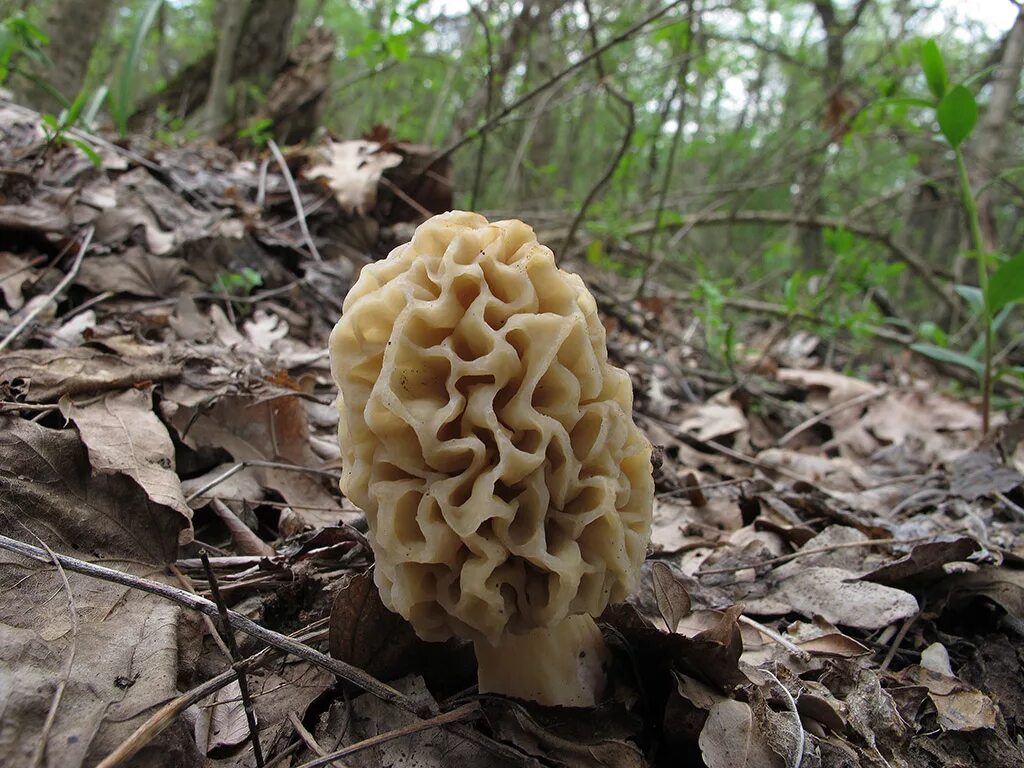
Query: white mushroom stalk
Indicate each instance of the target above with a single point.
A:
(491, 445)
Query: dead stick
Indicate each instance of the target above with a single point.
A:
(236, 661)
(64, 283)
(347, 672)
(445, 718)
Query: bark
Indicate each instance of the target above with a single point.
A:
(811, 178)
(216, 108)
(261, 53)
(989, 144)
(74, 27)
(532, 14)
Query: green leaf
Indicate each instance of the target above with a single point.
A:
(972, 296)
(949, 356)
(934, 68)
(75, 110)
(397, 48)
(957, 114)
(89, 152)
(122, 105)
(1006, 285)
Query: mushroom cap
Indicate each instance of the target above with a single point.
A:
(486, 436)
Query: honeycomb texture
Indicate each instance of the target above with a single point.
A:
(486, 436)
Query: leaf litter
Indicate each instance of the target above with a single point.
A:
(836, 576)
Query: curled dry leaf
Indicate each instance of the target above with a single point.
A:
(924, 564)
(42, 375)
(352, 170)
(124, 436)
(958, 706)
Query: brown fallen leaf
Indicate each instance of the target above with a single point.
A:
(42, 375)
(124, 436)
(958, 706)
(671, 595)
(352, 170)
(268, 430)
(731, 738)
(366, 634)
(839, 597)
(923, 565)
(137, 273)
(125, 643)
(222, 722)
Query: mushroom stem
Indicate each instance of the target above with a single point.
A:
(561, 665)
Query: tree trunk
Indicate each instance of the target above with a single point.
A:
(216, 108)
(261, 52)
(989, 143)
(74, 27)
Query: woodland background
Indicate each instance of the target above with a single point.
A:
(801, 223)
(787, 120)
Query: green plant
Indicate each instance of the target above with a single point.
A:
(1000, 280)
(236, 285)
(257, 131)
(123, 98)
(239, 283)
(19, 37)
(56, 129)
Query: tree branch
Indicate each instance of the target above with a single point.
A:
(812, 221)
(495, 119)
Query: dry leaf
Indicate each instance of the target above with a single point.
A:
(124, 436)
(731, 738)
(839, 597)
(672, 598)
(125, 648)
(41, 375)
(353, 170)
(222, 722)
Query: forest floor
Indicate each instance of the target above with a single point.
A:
(836, 575)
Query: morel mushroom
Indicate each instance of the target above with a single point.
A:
(492, 446)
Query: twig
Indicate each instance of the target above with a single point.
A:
(347, 672)
(896, 642)
(236, 659)
(673, 150)
(256, 463)
(770, 633)
(478, 171)
(40, 751)
(52, 295)
(183, 580)
(796, 719)
(627, 136)
(809, 221)
(296, 200)
(305, 735)
(166, 715)
(464, 712)
(814, 551)
(861, 398)
(493, 120)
